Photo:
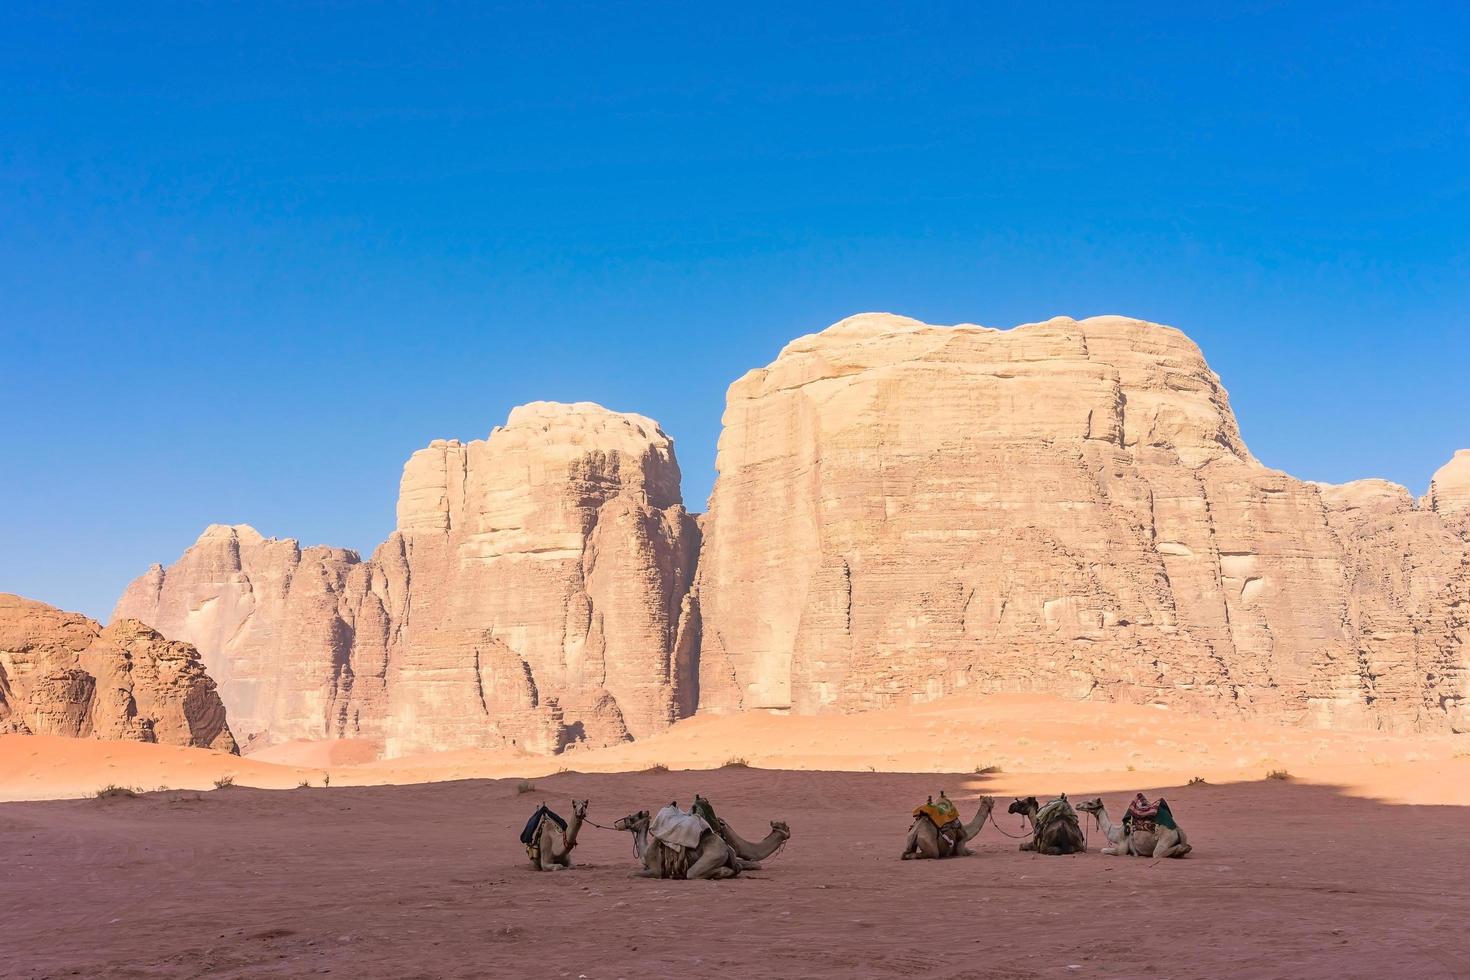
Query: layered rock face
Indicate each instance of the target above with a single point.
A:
(63, 674)
(905, 510)
(529, 596)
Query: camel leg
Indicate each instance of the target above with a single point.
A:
(911, 845)
(547, 862)
(1171, 845)
(550, 861)
(713, 863)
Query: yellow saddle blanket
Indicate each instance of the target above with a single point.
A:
(941, 813)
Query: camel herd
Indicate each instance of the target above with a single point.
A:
(698, 844)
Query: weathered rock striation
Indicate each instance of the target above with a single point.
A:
(530, 596)
(63, 674)
(905, 510)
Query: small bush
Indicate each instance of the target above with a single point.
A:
(987, 770)
(304, 784)
(1198, 781)
(224, 782)
(525, 786)
(113, 792)
(657, 767)
(737, 763)
(1278, 774)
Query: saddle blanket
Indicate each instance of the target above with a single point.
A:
(703, 807)
(528, 836)
(940, 814)
(676, 828)
(1058, 809)
(1145, 815)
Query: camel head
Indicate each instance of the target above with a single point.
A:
(987, 803)
(1026, 807)
(780, 827)
(579, 808)
(631, 821)
(1093, 806)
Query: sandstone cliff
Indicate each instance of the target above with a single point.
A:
(63, 674)
(902, 511)
(529, 596)
(905, 510)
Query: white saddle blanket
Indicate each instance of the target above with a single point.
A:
(676, 828)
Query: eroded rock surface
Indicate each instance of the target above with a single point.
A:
(905, 510)
(529, 596)
(63, 674)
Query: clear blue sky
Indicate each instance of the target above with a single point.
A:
(252, 256)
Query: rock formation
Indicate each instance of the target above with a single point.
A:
(904, 510)
(530, 596)
(63, 674)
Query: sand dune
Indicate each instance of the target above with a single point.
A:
(1030, 739)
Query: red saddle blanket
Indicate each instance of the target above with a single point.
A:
(1143, 815)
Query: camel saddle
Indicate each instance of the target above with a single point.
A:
(704, 809)
(1146, 816)
(1058, 809)
(678, 829)
(531, 836)
(940, 814)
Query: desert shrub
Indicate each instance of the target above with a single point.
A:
(304, 784)
(113, 792)
(987, 770)
(737, 763)
(657, 767)
(1198, 781)
(525, 786)
(224, 782)
(1278, 774)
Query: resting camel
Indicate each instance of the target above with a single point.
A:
(748, 853)
(925, 840)
(1160, 842)
(712, 859)
(553, 851)
(1058, 831)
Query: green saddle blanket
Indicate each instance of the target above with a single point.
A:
(1056, 810)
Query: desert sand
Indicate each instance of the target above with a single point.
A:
(1353, 866)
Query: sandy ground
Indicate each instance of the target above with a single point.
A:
(1286, 880)
(1353, 867)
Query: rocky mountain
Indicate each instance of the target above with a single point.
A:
(63, 674)
(902, 510)
(905, 510)
(529, 596)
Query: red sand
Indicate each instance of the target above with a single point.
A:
(428, 880)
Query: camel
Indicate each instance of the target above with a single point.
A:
(553, 848)
(925, 840)
(1160, 842)
(1057, 832)
(749, 853)
(713, 859)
